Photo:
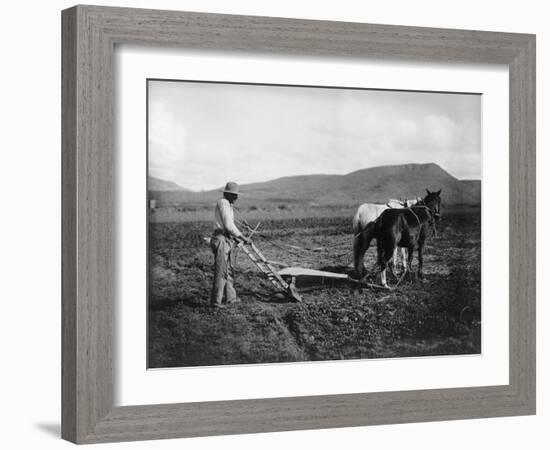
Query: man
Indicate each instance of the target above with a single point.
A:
(222, 244)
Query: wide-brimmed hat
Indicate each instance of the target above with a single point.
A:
(231, 188)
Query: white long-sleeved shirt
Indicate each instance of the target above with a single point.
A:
(224, 217)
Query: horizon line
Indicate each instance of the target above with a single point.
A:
(309, 174)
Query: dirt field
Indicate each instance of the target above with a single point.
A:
(440, 315)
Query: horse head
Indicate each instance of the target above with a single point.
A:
(433, 202)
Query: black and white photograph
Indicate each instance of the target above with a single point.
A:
(307, 223)
(275, 225)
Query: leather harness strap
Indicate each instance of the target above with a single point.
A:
(414, 214)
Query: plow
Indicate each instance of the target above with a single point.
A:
(267, 268)
(284, 278)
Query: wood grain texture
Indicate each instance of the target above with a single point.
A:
(68, 226)
(87, 306)
(89, 36)
(523, 224)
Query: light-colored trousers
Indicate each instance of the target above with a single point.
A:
(223, 270)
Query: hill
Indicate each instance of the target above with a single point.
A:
(156, 184)
(375, 184)
(378, 184)
(473, 186)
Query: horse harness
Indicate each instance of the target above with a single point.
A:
(414, 214)
(434, 213)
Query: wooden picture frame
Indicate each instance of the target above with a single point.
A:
(89, 36)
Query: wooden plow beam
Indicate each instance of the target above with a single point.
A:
(301, 271)
(269, 271)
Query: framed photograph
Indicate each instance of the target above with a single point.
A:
(278, 224)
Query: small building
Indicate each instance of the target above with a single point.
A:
(152, 204)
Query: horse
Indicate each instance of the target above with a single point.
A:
(363, 221)
(406, 228)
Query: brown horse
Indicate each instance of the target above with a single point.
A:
(406, 228)
(363, 222)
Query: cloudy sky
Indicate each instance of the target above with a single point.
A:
(203, 134)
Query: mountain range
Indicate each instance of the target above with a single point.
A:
(156, 184)
(375, 184)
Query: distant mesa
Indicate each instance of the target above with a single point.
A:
(156, 184)
(375, 184)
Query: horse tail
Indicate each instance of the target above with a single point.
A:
(361, 242)
(356, 224)
(368, 234)
(357, 244)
